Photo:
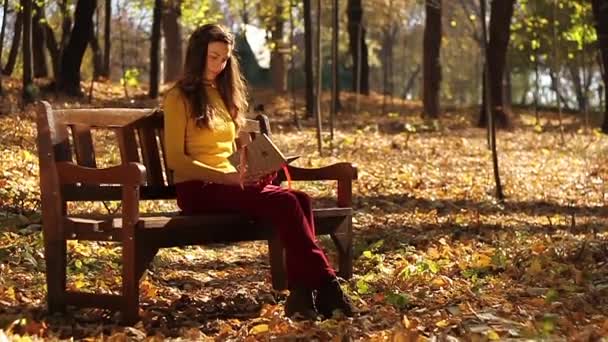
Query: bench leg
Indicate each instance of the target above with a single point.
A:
(343, 239)
(55, 255)
(130, 282)
(146, 256)
(278, 273)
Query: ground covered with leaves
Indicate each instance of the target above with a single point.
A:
(437, 257)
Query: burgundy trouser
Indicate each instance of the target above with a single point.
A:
(289, 211)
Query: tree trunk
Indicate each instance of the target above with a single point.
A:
(292, 65)
(278, 69)
(600, 10)
(38, 41)
(97, 56)
(28, 91)
(577, 82)
(500, 33)
(554, 86)
(155, 49)
(2, 31)
(172, 30)
(335, 90)
(508, 87)
(12, 55)
(66, 24)
(308, 70)
(431, 72)
(319, 78)
(356, 33)
(71, 59)
(107, 40)
(409, 85)
(52, 47)
(388, 41)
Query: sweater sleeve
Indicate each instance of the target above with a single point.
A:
(176, 119)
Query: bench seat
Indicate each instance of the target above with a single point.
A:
(173, 229)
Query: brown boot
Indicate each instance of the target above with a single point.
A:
(330, 297)
(300, 304)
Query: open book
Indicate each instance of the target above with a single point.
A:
(261, 156)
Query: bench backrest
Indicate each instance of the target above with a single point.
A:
(65, 135)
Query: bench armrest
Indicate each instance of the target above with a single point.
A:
(343, 172)
(338, 171)
(129, 173)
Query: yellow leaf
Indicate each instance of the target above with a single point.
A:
(492, 335)
(258, 329)
(79, 283)
(482, 260)
(438, 281)
(433, 253)
(443, 323)
(10, 293)
(148, 290)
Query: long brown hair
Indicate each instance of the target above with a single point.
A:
(230, 82)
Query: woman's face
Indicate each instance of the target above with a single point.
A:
(217, 56)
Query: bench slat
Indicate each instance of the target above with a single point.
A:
(71, 192)
(151, 158)
(83, 145)
(102, 117)
(173, 229)
(127, 144)
(168, 172)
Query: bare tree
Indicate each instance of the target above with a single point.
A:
(431, 62)
(155, 49)
(293, 64)
(488, 102)
(4, 16)
(358, 46)
(335, 78)
(500, 32)
(39, 40)
(278, 68)
(96, 49)
(107, 39)
(71, 59)
(308, 59)
(28, 90)
(319, 79)
(12, 54)
(172, 30)
(600, 10)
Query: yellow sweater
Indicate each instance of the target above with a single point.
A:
(195, 153)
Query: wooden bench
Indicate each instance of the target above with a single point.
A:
(69, 172)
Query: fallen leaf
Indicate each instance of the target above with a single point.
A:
(259, 329)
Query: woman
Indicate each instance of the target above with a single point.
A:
(203, 112)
